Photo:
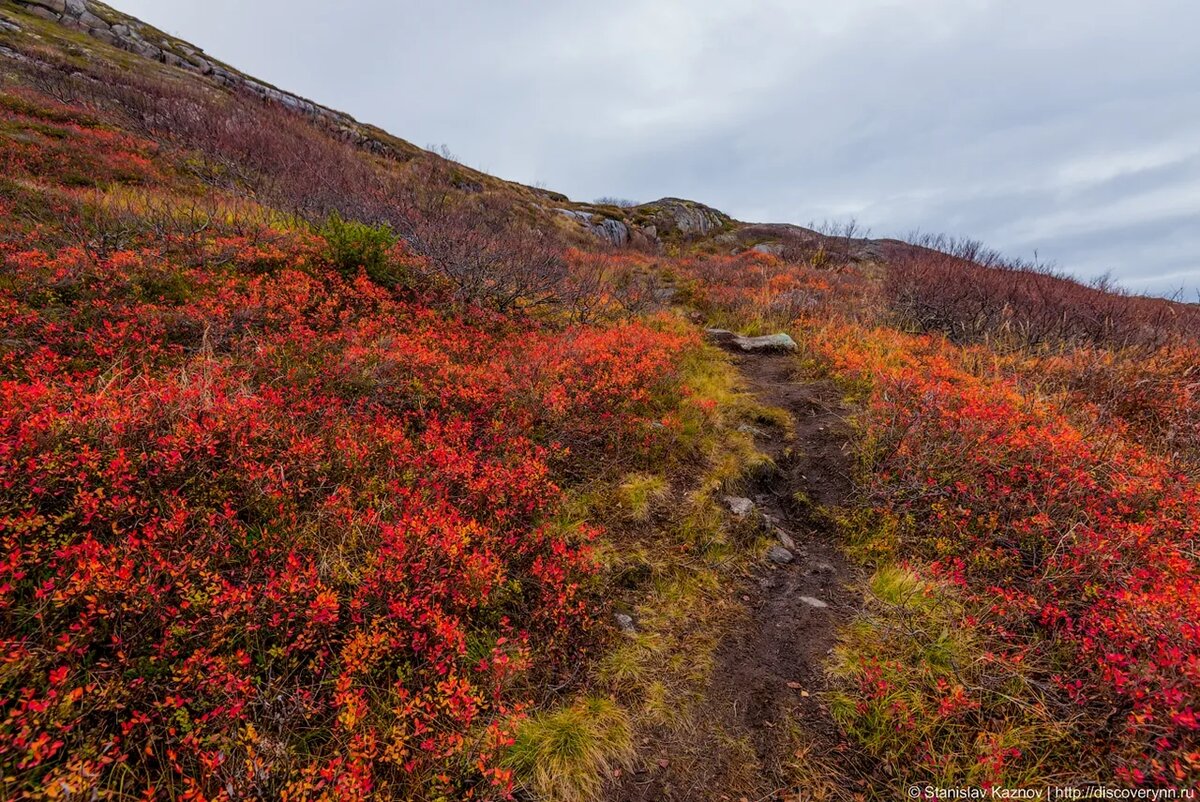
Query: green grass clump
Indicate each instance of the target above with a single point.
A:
(914, 675)
(565, 755)
(351, 245)
(640, 492)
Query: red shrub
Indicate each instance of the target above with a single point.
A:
(266, 530)
(761, 286)
(1072, 541)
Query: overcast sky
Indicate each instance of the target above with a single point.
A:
(1066, 127)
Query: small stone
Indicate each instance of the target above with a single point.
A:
(739, 506)
(785, 540)
(780, 555)
(824, 568)
(625, 623)
(813, 602)
(746, 428)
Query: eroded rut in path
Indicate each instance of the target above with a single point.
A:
(768, 682)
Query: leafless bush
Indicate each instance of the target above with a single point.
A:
(488, 257)
(840, 241)
(970, 293)
(623, 203)
(602, 285)
(843, 230)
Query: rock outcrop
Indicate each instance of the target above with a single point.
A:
(615, 232)
(647, 225)
(611, 231)
(683, 218)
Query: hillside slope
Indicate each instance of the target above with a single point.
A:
(333, 469)
(86, 31)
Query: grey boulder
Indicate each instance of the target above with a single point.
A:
(741, 507)
(768, 343)
(779, 555)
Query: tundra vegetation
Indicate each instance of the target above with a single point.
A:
(1027, 502)
(322, 471)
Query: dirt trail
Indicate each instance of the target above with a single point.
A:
(768, 679)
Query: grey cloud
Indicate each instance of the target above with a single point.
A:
(1071, 128)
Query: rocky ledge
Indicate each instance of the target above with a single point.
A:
(670, 219)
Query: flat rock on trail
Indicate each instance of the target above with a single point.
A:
(768, 681)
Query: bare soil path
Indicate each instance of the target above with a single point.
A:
(768, 684)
